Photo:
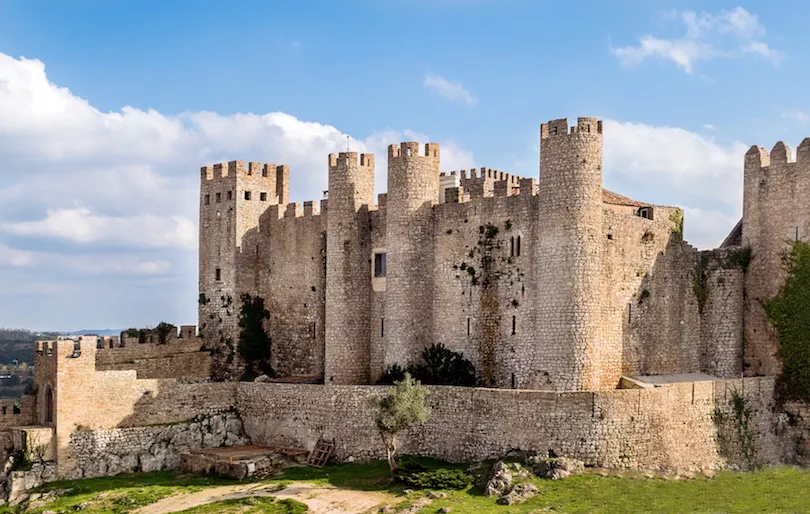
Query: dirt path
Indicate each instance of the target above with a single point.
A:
(320, 499)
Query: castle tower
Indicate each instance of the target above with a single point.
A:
(348, 268)
(413, 189)
(62, 369)
(568, 253)
(776, 213)
(232, 199)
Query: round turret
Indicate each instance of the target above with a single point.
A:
(568, 253)
(413, 189)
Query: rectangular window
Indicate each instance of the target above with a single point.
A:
(230, 195)
(247, 195)
(468, 326)
(219, 197)
(207, 199)
(514, 324)
(263, 197)
(218, 274)
(379, 265)
(517, 247)
(382, 327)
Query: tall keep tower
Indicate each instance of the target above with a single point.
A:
(776, 213)
(568, 253)
(348, 268)
(232, 199)
(413, 189)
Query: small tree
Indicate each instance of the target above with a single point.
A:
(403, 407)
(254, 343)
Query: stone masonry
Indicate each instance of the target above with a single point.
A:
(553, 283)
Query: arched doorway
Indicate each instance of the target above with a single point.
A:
(48, 405)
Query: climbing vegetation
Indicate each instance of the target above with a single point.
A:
(789, 312)
(254, 344)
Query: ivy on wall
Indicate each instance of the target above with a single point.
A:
(254, 344)
(789, 312)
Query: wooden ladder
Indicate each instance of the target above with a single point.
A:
(321, 453)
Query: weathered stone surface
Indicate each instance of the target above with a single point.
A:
(503, 475)
(519, 494)
(555, 468)
(110, 452)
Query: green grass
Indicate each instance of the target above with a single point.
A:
(258, 505)
(119, 494)
(768, 491)
(369, 476)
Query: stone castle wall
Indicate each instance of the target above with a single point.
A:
(551, 285)
(86, 399)
(176, 358)
(292, 281)
(15, 413)
(668, 428)
(150, 448)
(775, 214)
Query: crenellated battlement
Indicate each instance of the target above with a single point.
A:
(295, 210)
(365, 160)
(488, 182)
(18, 411)
(150, 336)
(559, 127)
(413, 149)
(232, 169)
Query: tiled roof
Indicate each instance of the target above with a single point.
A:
(612, 198)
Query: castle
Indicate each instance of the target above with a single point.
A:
(556, 284)
(596, 331)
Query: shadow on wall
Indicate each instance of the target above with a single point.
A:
(284, 261)
(686, 314)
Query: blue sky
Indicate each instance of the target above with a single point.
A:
(110, 107)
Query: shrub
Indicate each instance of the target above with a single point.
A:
(439, 366)
(163, 330)
(442, 478)
(393, 373)
(444, 367)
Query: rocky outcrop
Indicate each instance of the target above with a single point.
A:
(555, 468)
(14, 485)
(110, 452)
(519, 494)
(503, 476)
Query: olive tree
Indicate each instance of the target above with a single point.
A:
(401, 408)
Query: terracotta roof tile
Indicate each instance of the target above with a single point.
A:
(612, 198)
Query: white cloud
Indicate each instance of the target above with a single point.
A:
(729, 34)
(796, 115)
(709, 126)
(80, 225)
(673, 166)
(115, 194)
(453, 91)
(12, 258)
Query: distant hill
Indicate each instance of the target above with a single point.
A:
(18, 344)
(95, 332)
